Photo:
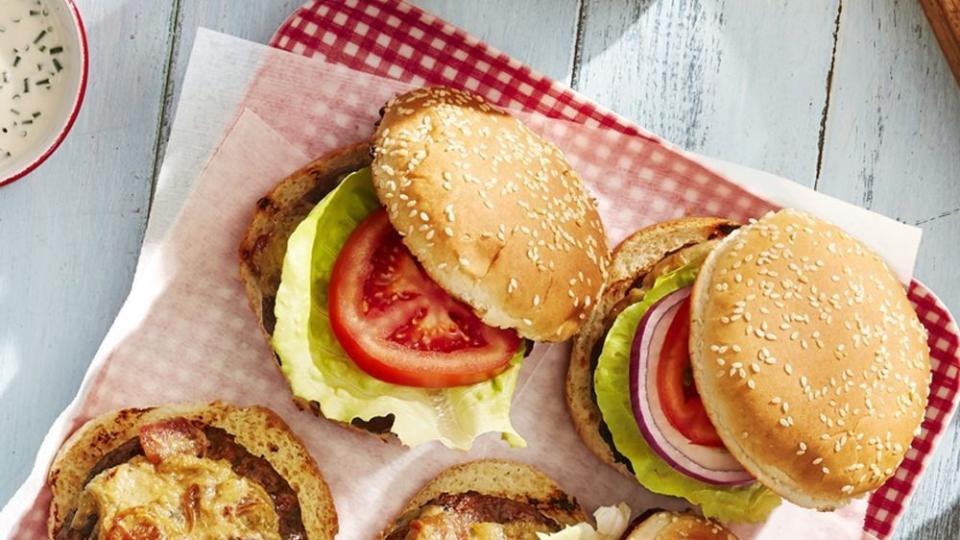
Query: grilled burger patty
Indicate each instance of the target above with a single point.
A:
(222, 446)
(459, 511)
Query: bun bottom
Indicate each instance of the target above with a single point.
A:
(264, 246)
(502, 479)
(258, 429)
(678, 525)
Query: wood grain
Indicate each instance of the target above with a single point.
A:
(944, 17)
(255, 20)
(70, 233)
(741, 81)
(892, 144)
(540, 33)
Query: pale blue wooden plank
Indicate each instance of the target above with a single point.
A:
(743, 81)
(892, 144)
(255, 20)
(70, 232)
(540, 33)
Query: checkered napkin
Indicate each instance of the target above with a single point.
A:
(402, 42)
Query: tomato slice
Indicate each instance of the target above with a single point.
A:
(678, 394)
(165, 438)
(398, 325)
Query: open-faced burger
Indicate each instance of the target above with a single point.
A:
(398, 280)
(732, 366)
(188, 471)
(488, 499)
(664, 525)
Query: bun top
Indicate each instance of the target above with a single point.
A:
(810, 360)
(493, 212)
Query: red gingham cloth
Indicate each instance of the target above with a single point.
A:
(399, 41)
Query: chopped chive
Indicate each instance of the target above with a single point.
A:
(40, 36)
(56, 50)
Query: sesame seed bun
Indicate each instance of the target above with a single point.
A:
(809, 358)
(669, 525)
(632, 260)
(494, 213)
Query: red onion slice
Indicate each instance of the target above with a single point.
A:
(711, 465)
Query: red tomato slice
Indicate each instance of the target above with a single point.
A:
(398, 325)
(165, 438)
(678, 394)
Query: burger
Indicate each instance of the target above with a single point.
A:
(188, 471)
(400, 281)
(732, 366)
(486, 499)
(663, 525)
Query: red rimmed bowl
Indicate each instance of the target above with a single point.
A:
(26, 145)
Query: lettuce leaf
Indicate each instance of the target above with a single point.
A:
(611, 381)
(612, 521)
(318, 368)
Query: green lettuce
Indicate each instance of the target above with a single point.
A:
(318, 368)
(611, 381)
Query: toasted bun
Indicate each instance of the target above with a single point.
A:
(264, 245)
(632, 259)
(809, 358)
(499, 478)
(277, 215)
(493, 212)
(674, 525)
(257, 429)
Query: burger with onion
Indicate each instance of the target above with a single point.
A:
(400, 280)
(733, 366)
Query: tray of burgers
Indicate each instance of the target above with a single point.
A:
(400, 309)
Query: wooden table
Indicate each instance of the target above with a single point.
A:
(852, 97)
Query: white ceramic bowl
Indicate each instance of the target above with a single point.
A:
(66, 19)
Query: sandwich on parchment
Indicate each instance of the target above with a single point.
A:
(732, 366)
(188, 471)
(664, 525)
(400, 281)
(504, 500)
(488, 499)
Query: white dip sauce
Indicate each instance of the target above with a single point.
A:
(32, 65)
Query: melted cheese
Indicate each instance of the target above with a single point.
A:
(182, 497)
(436, 523)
